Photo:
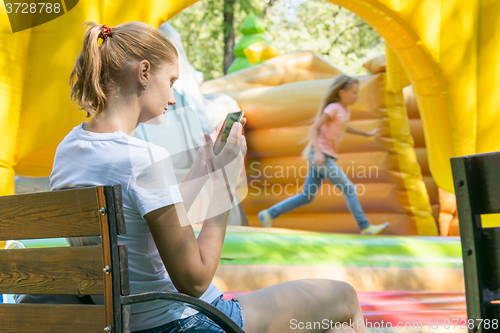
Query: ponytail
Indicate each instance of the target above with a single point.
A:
(100, 67)
(86, 90)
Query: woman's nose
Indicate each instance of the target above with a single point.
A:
(172, 101)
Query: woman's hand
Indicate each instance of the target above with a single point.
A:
(318, 159)
(200, 155)
(231, 156)
(218, 128)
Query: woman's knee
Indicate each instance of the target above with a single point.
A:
(351, 295)
(347, 298)
(340, 290)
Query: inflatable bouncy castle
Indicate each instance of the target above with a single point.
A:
(280, 97)
(448, 49)
(443, 203)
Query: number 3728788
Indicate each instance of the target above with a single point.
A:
(32, 8)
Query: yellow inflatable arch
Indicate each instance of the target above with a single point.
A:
(449, 49)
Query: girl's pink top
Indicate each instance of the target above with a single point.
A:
(332, 132)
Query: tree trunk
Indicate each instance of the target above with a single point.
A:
(268, 7)
(228, 29)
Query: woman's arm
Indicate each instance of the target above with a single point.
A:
(357, 131)
(191, 262)
(194, 181)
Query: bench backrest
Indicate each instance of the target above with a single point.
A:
(477, 189)
(75, 270)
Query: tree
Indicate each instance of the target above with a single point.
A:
(292, 25)
(228, 30)
(336, 33)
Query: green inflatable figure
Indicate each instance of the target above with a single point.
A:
(253, 34)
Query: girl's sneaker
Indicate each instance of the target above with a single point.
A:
(374, 229)
(265, 218)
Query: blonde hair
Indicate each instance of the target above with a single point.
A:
(98, 68)
(332, 95)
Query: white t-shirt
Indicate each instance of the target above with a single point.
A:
(146, 175)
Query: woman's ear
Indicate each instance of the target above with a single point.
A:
(144, 71)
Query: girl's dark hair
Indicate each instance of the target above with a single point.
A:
(99, 67)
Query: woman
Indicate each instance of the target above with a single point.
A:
(126, 80)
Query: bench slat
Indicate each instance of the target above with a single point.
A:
(42, 318)
(67, 213)
(57, 270)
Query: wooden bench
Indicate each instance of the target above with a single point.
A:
(74, 270)
(477, 189)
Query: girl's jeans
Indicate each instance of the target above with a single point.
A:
(314, 179)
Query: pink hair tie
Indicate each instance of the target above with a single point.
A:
(104, 32)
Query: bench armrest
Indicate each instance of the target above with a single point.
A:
(219, 317)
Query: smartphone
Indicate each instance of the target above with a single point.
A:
(231, 118)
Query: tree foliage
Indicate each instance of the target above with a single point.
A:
(292, 25)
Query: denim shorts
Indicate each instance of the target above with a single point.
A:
(201, 323)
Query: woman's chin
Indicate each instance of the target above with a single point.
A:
(154, 121)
